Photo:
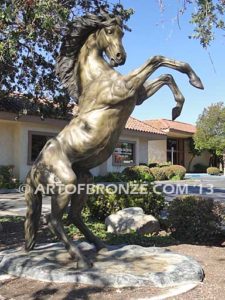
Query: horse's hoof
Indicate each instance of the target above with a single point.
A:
(29, 246)
(176, 112)
(197, 83)
(99, 246)
(84, 264)
(103, 250)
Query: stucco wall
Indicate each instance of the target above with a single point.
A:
(14, 146)
(143, 150)
(157, 151)
(23, 142)
(7, 137)
(202, 159)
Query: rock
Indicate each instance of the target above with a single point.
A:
(123, 266)
(132, 219)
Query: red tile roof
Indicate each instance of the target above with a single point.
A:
(164, 124)
(17, 102)
(22, 104)
(134, 124)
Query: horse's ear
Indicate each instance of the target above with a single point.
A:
(103, 12)
(127, 28)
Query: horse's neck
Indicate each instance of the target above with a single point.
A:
(91, 63)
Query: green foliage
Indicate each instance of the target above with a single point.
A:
(7, 179)
(192, 148)
(164, 164)
(176, 171)
(160, 165)
(111, 177)
(152, 165)
(105, 202)
(158, 173)
(213, 171)
(30, 35)
(195, 219)
(168, 172)
(31, 30)
(138, 173)
(207, 17)
(193, 151)
(210, 134)
(99, 229)
(14, 219)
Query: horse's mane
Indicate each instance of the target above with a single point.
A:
(67, 67)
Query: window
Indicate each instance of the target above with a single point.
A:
(36, 141)
(124, 153)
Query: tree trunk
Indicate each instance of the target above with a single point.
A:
(189, 164)
(224, 163)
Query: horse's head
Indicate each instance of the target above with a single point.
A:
(103, 31)
(109, 40)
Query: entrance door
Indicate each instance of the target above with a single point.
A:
(175, 151)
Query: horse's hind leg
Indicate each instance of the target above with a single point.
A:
(77, 203)
(59, 203)
(151, 87)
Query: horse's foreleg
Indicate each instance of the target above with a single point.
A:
(151, 87)
(137, 78)
(77, 204)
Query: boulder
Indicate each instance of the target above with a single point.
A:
(131, 219)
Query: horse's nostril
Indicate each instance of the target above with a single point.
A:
(118, 55)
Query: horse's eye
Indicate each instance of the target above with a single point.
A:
(109, 31)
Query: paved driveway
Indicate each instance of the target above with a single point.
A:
(213, 188)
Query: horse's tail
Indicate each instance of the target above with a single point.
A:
(34, 204)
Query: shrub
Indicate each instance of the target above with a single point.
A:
(213, 171)
(158, 173)
(169, 172)
(111, 177)
(105, 202)
(175, 171)
(165, 164)
(7, 179)
(143, 164)
(199, 168)
(153, 165)
(195, 219)
(138, 173)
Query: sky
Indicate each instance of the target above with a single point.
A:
(156, 32)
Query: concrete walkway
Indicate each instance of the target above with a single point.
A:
(13, 204)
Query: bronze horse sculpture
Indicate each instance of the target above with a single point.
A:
(105, 99)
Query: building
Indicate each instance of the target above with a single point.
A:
(21, 139)
(176, 148)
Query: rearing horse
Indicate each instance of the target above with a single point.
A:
(106, 99)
